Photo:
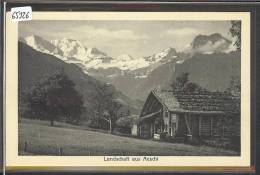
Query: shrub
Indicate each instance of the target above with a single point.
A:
(193, 141)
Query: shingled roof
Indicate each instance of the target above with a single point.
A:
(203, 102)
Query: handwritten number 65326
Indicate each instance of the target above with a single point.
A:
(20, 15)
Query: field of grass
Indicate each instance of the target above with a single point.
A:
(43, 139)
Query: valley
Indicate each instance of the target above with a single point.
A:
(136, 77)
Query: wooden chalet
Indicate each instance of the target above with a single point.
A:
(193, 115)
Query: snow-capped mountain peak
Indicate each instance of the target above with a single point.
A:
(94, 52)
(124, 57)
(169, 52)
(32, 40)
(71, 48)
(64, 42)
(163, 56)
(73, 51)
(40, 44)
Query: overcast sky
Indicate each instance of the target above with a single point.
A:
(137, 38)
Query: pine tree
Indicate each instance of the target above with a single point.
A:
(235, 31)
(183, 84)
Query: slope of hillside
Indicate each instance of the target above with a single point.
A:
(34, 65)
(84, 142)
(212, 72)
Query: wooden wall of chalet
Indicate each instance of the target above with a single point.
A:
(182, 129)
(194, 122)
(207, 126)
(151, 105)
(213, 126)
(145, 130)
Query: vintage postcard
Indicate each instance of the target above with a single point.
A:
(118, 89)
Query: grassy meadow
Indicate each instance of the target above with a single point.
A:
(42, 139)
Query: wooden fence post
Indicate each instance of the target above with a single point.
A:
(60, 151)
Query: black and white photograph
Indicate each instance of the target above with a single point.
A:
(129, 88)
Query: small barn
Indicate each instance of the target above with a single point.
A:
(173, 114)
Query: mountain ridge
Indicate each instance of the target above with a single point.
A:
(137, 76)
(35, 65)
(73, 51)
